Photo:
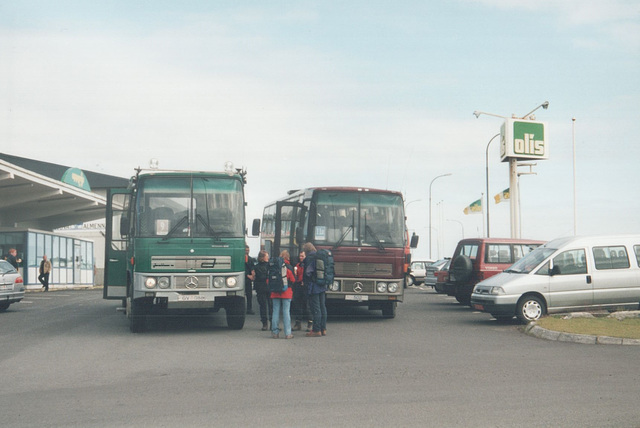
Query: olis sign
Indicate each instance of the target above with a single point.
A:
(523, 139)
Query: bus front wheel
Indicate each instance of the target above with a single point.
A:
(389, 309)
(235, 310)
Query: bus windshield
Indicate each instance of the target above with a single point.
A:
(359, 219)
(190, 206)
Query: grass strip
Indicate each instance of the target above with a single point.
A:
(627, 328)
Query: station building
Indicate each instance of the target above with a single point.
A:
(55, 210)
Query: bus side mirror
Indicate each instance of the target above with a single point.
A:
(255, 227)
(124, 226)
(414, 241)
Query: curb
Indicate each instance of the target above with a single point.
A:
(532, 329)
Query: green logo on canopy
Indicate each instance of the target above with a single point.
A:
(75, 177)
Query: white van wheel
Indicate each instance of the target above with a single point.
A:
(530, 308)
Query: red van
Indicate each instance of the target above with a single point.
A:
(477, 259)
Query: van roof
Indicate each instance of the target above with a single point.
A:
(594, 240)
(500, 241)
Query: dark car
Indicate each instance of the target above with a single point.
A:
(477, 259)
(430, 277)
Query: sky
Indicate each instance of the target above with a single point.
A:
(376, 94)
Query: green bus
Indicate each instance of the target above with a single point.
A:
(175, 244)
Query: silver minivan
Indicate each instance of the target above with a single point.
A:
(575, 273)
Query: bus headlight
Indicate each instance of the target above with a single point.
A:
(392, 287)
(381, 287)
(164, 282)
(232, 281)
(335, 286)
(218, 282)
(150, 282)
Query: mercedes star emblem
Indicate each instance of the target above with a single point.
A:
(191, 282)
(357, 287)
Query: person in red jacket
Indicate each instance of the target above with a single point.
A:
(283, 301)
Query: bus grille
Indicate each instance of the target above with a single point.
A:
(364, 269)
(191, 262)
(349, 286)
(192, 282)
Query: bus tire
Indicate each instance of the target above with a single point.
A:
(138, 317)
(389, 309)
(235, 311)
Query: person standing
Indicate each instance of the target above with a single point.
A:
(45, 270)
(249, 277)
(262, 289)
(283, 301)
(317, 293)
(300, 303)
(12, 258)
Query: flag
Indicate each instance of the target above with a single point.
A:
(475, 207)
(502, 196)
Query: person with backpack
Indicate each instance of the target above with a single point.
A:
(262, 289)
(317, 293)
(300, 302)
(281, 294)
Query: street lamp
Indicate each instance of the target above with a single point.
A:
(461, 225)
(486, 160)
(443, 175)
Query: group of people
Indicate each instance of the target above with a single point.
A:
(304, 299)
(45, 267)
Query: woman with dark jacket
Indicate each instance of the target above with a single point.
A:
(262, 289)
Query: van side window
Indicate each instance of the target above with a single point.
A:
(611, 257)
(570, 262)
(544, 270)
(497, 253)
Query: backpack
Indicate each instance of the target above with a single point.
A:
(325, 271)
(277, 275)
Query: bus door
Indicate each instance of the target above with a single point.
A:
(289, 223)
(115, 263)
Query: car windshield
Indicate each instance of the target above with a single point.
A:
(6, 267)
(531, 260)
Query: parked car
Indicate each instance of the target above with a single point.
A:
(477, 259)
(442, 276)
(11, 285)
(418, 271)
(575, 273)
(430, 275)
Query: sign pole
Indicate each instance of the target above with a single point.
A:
(514, 198)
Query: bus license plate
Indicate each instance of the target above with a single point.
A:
(190, 298)
(356, 297)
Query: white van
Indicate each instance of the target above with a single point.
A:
(576, 273)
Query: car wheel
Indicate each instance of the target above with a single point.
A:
(530, 308)
(462, 267)
(439, 287)
(4, 306)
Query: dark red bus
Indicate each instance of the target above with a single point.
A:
(364, 228)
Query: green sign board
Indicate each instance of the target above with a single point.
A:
(76, 177)
(523, 139)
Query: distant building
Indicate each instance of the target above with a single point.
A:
(55, 210)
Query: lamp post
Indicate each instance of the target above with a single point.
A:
(486, 160)
(461, 225)
(430, 184)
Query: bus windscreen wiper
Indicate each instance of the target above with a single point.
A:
(176, 227)
(207, 226)
(378, 241)
(346, 232)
